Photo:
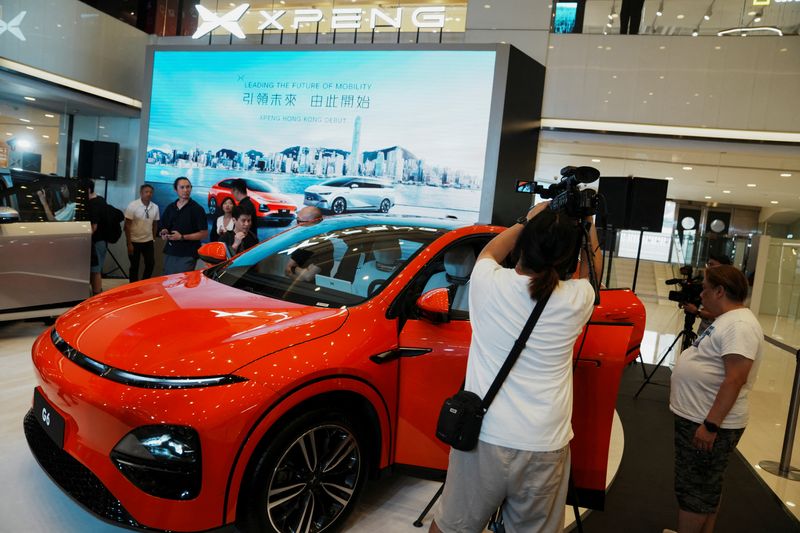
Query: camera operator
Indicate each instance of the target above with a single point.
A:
(522, 455)
(706, 318)
(709, 397)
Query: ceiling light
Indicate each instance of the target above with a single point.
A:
(614, 76)
(595, 160)
(751, 184)
(773, 201)
(29, 127)
(608, 24)
(680, 17)
(30, 98)
(751, 13)
(644, 101)
(659, 12)
(717, 48)
(9, 133)
(662, 47)
(786, 174)
(707, 197)
(661, 77)
(650, 94)
(48, 115)
(24, 144)
(670, 178)
(695, 32)
(687, 168)
(757, 17)
(24, 120)
(727, 192)
(744, 31)
(783, 50)
(45, 136)
(487, 6)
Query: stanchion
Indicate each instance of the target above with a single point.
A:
(784, 468)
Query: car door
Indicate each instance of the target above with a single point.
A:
(432, 367)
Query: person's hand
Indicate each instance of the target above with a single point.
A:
(164, 234)
(222, 231)
(538, 208)
(239, 237)
(41, 195)
(690, 308)
(703, 439)
(130, 248)
(174, 236)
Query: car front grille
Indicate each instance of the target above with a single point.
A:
(74, 478)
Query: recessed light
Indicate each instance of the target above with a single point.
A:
(717, 48)
(644, 101)
(670, 178)
(751, 13)
(48, 115)
(24, 120)
(790, 504)
(487, 6)
(662, 47)
(773, 201)
(687, 168)
(45, 136)
(600, 46)
(102, 127)
(783, 50)
(680, 17)
(614, 76)
(9, 133)
(30, 98)
(786, 174)
(695, 33)
(751, 184)
(661, 77)
(595, 160)
(551, 47)
(707, 197)
(727, 192)
(650, 94)
(29, 127)
(605, 101)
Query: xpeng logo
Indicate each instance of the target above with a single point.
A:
(12, 26)
(212, 21)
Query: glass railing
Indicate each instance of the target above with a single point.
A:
(678, 17)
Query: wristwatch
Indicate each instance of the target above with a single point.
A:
(523, 219)
(711, 427)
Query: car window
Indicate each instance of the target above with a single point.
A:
(41, 197)
(333, 268)
(258, 186)
(225, 184)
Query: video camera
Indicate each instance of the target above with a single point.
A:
(690, 288)
(566, 196)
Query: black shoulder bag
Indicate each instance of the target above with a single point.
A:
(462, 414)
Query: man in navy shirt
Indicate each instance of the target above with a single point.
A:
(183, 226)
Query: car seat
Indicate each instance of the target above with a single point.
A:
(370, 276)
(458, 263)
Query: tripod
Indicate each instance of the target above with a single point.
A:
(108, 250)
(687, 336)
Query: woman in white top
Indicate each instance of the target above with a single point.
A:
(224, 223)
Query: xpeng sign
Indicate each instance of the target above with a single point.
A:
(340, 19)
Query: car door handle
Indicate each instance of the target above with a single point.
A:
(391, 355)
(588, 362)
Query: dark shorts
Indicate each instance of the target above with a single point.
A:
(699, 474)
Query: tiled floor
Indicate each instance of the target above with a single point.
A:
(30, 502)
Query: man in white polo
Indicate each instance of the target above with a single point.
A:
(141, 226)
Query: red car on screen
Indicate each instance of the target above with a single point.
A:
(264, 390)
(271, 205)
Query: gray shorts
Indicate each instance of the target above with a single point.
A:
(533, 485)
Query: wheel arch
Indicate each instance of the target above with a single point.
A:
(352, 395)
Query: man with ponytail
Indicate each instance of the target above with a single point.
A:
(522, 455)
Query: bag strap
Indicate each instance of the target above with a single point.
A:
(513, 355)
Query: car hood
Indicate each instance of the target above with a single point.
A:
(188, 325)
(271, 197)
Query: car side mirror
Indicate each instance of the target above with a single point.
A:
(8, 215)
(435, 304)
(213, 253)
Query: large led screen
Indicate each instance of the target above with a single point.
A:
(409, 126)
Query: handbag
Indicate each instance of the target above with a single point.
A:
(461, 416)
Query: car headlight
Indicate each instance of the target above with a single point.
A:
(161, 460)
(324, 193)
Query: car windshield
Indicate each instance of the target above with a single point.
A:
(337, 182)
(330, 264)
(259, 186)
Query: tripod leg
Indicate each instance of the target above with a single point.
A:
(660, 362)
(575, 508)
(418, 521)
(641, 360)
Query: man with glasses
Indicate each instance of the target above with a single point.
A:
(141, 227)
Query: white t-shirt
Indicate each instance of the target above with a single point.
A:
(141, 218)
(221, 227)
(533, 408)
(700, 369)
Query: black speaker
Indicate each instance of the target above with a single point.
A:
(615, 191)
(98, 160)
(647, 199)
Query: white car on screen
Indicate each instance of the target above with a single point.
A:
(340, 195)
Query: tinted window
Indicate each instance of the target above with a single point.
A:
(326, 265)
(225, 184)
(259, 186)
(41, 198)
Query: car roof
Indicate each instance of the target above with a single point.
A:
(340, 222)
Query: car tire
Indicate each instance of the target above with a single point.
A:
(212, 206)
(386, 204)
(307, 478)
(339, 206)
